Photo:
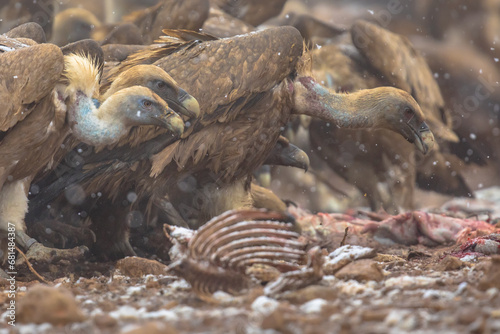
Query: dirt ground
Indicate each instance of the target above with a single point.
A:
(388, 290)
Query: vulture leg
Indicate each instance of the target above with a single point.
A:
(13, 207)
(37, 252)
(111, 225)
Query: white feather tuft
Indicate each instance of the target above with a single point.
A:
(83, 75)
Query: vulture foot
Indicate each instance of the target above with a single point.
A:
(62, 235)
(40, 254)
(113, 250)
(4, 275)
(122, 248)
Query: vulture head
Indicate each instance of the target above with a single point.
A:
(156, 79)
(379, 108)
(107, 123)
(286, 154)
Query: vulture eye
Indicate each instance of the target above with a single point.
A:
(161, 84)
(146, 103)
(408, 113)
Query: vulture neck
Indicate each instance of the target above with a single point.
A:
(344, 110)
(92, 125)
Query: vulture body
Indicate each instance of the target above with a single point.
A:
(18, 12)
(49, 104)
(470, 84)
(73, 24)
(169, 14)
(253, 12)
(248, 87)
(380, 164)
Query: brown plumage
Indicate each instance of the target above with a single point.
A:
(379, 163)
(221, 24)
(72, 25)
(49, 109)
(248, 87)
(253, 12)
(469, 82)
(30, 30)
(169, 14)
(29, 75)
(312, 29)
(17, 12)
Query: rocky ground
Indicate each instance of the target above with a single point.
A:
(367, 287)
(386, 290)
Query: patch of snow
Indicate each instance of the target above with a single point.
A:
(180, 284)
(264, 305)
(167, 315)
(349, 252)
(353, 287)
(469, 258)
(438, 294)
(313, 306)
(222, 296)
(409, 281)
(127, 312)
(134, 289)
(33, 328)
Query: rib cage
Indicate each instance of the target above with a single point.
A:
(219, 252)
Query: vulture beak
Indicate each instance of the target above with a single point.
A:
(290, 156)
(422, 136)
(170, 120)
(294, 157)
(186, 105)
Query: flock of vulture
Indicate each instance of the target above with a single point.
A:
(119, 117)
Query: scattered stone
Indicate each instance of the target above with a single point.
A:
(374, 315)
(42, 303)
(448, 263)
(495, 313)
(362, 270)
(309, 293)
(413, 254)
(410, 282)
(275, 320)
(467, 315)
(344, 255)
(387, 258)
(138, 267)
(153, 328)
(152, 284)
(491, 274)
(105, 321)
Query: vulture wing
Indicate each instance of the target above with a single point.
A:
(28, 73)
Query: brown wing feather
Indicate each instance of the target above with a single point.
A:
(27, 75)
(223, 88)
(170, 14)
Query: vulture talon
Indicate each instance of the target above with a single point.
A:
(41, 254)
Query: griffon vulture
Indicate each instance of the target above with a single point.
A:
(248, 87)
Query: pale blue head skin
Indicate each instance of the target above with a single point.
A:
(383, 107)
(114, 118)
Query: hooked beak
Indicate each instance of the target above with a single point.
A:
(297, 158)
(170, 120)
(185, 105)
(422, 136)
(290, 156)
